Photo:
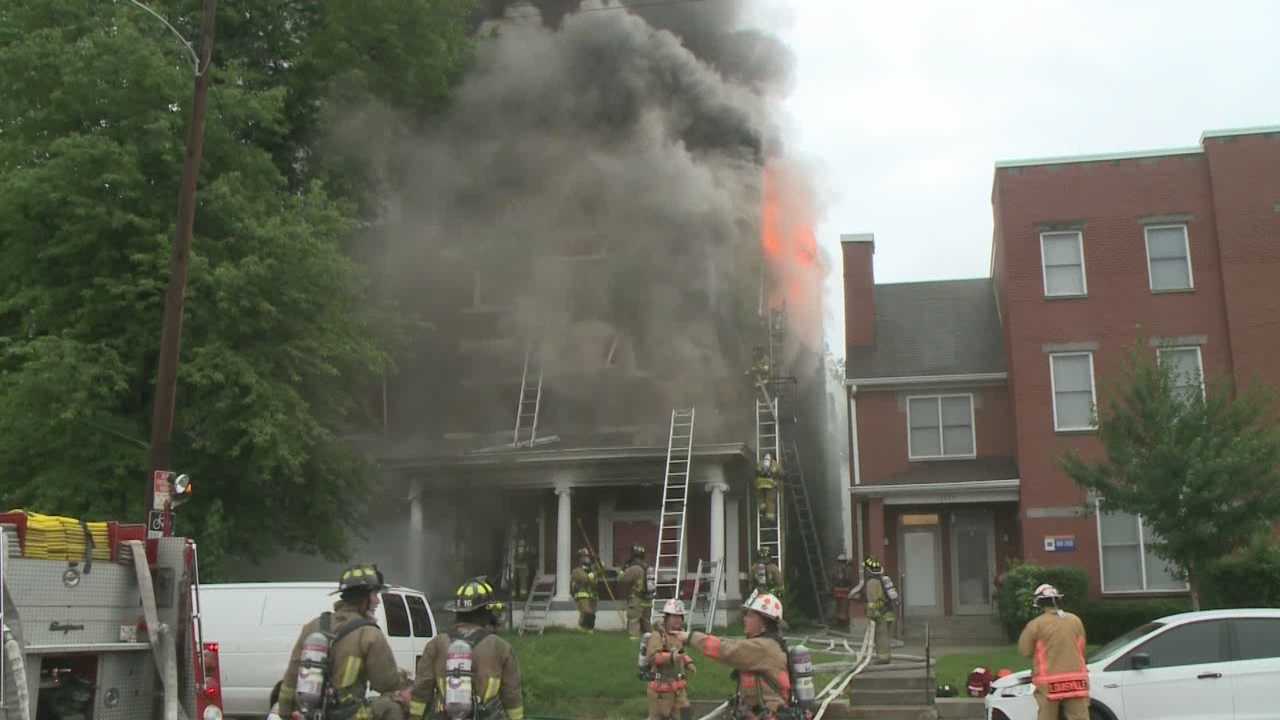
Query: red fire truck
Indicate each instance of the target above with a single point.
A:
(110, 634)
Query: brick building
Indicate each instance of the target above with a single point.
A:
(963, 394)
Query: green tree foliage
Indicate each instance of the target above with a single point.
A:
(278, 324)
(1203, 470)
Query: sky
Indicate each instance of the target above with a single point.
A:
(903, 108)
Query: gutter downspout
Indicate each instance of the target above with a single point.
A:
(856, 472)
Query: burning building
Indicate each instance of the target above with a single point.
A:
(601, 230)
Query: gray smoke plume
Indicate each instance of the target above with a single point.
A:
(599, 172)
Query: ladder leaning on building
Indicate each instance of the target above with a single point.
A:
(668, 565)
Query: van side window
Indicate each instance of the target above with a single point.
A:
(422, 626)
(397, 616)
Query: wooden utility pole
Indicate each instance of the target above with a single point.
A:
(159, 507)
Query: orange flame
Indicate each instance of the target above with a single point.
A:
(789, 243)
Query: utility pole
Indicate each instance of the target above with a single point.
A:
(159, 507)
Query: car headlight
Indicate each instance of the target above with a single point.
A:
(1022, 690)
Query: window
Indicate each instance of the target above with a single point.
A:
(422, 626)
(940, 426)
(1195, 643)
(1256, 638)
(397, 616)
(1072, 380)
(1169, 257)
(1063, 256)
(1184, 366)
(1129, 564)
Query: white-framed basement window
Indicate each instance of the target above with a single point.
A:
(1127, 562)
(1187, 367)
(1062, 260)
(940, 426)
(1071, 377)
(1168, 258)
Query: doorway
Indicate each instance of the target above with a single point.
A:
(920, 557)
(973, 561)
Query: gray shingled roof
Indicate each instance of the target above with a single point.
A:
(947, 327)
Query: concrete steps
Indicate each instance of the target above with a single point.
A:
(974, 630)
(899, 691)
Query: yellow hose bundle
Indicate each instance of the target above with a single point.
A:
(52, 537)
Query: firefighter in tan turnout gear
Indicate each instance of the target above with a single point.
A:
(1055, 642)
(760, 663)
(635, 587)
(881, 608)
(668, 666)
(585, 593)
(469, 672)
(359, 657)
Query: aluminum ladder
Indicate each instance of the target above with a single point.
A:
(768, 534)
(668, 567)
(530, 403)
(797, 496)
(537, 607)
(708, 582)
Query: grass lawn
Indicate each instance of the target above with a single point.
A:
(568, 674)
(955, 669)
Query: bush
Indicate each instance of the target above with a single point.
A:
(1017, 593)
(1247, 578)
(1105, 620)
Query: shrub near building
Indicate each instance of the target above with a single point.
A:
(1247, 578)
(1018, 590)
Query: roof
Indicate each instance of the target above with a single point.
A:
(1140, 154)
(946, 327)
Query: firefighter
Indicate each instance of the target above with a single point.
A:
(585, 592)
(522, 559)
(360, 658)
(880, 609)
(760, 662)
(760, 367)
(842, 582)
(635, 585)
(670, 666)
(1055, 641)
(494, 680)
(766, 576)
(767, 474)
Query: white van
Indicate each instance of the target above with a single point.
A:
(256, 625)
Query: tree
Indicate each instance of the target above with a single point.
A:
(1202, 469)
(279, 323)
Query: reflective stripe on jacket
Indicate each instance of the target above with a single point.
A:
(755, 659)
(1055, 642)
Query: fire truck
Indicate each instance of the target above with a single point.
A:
(110, 634)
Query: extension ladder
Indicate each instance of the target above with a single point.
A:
(707, 585)
(768, 532)
(668, 568)
(798, 498)
(530, 398)
(537, 607)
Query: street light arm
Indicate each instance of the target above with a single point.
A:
(195, 60)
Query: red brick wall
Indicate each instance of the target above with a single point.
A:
(882, 429)
(1246, 190)
(1109, 200)
(859, 303)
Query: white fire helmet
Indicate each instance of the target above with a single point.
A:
(765, 604)
(1047, 592)
(674, 606)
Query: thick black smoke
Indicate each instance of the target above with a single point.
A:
(600, 173)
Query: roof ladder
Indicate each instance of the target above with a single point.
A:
(708, 582)
(668, 569)
(768, 532)
(537, 607)
(797, 496)
(530, 397)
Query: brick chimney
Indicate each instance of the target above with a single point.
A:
(859, 288)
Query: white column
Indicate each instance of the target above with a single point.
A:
(733, 542)
(563, 541)
(542, 536)
(416, 536)
(717, 490)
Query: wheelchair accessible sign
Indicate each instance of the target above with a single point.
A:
(1059, 543)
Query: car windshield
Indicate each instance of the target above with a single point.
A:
(1123, 640)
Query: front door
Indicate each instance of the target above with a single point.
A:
(973, 551)
(919, 557)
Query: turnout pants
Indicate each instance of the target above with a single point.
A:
(1074, 709)
(669, 705)
(586, 613)
(884, 637)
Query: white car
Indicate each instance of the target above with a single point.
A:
(1211, 665)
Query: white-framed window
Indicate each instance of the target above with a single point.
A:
(1071, 376)
(1062, 256)
(1186, 366)
(940, 426)
(1127, 560)
(1168, 257)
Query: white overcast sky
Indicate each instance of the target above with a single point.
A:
(903, 107)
